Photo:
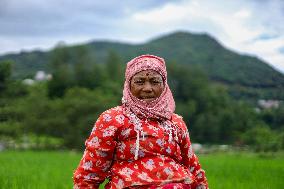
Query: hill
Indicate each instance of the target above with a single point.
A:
(244, 76)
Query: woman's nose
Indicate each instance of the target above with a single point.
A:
(147, 87)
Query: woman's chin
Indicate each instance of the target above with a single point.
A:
(148, 99)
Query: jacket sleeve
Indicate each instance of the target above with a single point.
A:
(97, 159)
(190, 160)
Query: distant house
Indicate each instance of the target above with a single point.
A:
(268, 104)
(42, 76)
(28, 81)
(39, 76)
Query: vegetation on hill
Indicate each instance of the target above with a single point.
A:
(244, 76)
(61, 112)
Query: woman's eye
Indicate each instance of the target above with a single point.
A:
(138, 82)
(156, 82)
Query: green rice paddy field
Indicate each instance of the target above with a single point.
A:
(42, 170)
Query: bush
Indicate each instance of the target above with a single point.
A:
(263, 139)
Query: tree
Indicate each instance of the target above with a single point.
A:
(61, 72)
(114, 67)
(5, 74)
(84, 67)
(263, 139)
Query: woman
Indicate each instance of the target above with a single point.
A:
(142, 143)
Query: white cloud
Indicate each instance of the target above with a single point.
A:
(242, 14)
(268, 50)
(166, 14)
(246, 26)
(235, 25)
(40, 43)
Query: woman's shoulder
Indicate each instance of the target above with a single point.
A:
(177, 117)
(112, 114)
(113, 111)
(178, 120)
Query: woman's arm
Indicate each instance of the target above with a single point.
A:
(97, 159)
(190, 160)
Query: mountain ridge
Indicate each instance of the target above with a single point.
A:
(221, 64)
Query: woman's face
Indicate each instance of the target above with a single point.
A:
(147, 85)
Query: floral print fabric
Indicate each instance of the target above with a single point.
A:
(161, 163)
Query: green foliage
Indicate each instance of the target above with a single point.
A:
(212, 116)
(10, 129)
(62, 73)
(32, 141)
(263, 139)
(81, 107)
(27, 63)
(70, 118)
(74, 67)
(5, 73)
(114, 67)
(246, 77)
(274, 117)
(65, 108)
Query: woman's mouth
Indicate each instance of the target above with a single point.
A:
(147, 97)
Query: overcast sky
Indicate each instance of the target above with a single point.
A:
(253, 27)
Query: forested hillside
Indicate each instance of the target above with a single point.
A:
(244, 76)
(60, 112)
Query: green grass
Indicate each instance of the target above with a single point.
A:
(244, 171)
(54, 170)
(34, 170)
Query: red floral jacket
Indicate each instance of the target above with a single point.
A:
(164, 155)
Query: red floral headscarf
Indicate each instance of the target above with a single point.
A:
(161, 108)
